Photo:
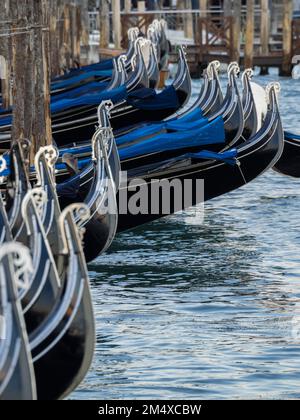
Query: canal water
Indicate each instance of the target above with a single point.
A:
(208, 310)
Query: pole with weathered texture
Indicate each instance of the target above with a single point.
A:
(287, 37)
(141, 9)
(237, 8)
(31, 73)
(127, 6)
(264, 32)
(20, 43)
(116, 10)
(41, 124)
(67, 48)
(249, 38)
(104, 23)
(85, 30)
(188, 27)
(5, 55)
(203, 8)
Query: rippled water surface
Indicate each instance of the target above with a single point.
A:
(212, 310)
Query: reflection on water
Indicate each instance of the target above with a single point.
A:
(186, 310)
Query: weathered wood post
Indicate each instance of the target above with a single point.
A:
(5, 55)
(237, 7)
(104, 23)
(229, 35)
(141, 9)
(31, 73)
(41, 124)
(19, 12)
(117, 22)
(189, 30)
(287, 38)
(67, 36)
(75, 24)
(127, 6)
(264, 32)
(249, 38)
(85, 30)
(203, 7)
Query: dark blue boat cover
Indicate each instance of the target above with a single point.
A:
(212, 133)
(81, 90)
(291, 136)
(148, 99)
(63, 84)
(228, 157)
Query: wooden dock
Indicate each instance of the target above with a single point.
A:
(253, 35)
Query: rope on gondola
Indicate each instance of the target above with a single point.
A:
(238, 164)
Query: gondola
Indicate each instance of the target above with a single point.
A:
(44, 281)
(289, 163)
(251, 158)
(99, 194)
(17, 380)
(140, 107)
(61, 329)
(69, 112)
(228, 118)
(62, 350)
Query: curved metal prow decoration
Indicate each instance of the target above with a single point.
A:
(212, 68)
(36, 197)
(133, 33)
(74, 215)
(21, 262)
(104, 112)
(50, 155)
(233, 70)
(17, 380)
(5, 232)
(273, 90)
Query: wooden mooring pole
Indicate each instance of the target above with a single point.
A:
(104, 23)
(264, 32)
(287, 38)
(237, 9)
(116, 22)
(5, 54)
(249, 36)
(31, 73)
